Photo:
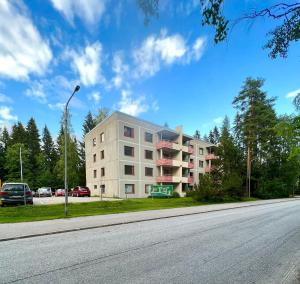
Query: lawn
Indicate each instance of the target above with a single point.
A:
(47, 212)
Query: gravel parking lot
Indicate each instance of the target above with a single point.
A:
(61, 199)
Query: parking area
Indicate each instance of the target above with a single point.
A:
(61, 199)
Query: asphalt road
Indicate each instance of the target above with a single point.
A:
(247, 245)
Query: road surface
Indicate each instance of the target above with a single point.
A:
(246, 245)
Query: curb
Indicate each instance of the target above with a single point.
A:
(134, 221)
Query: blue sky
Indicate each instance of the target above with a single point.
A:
(168, 71)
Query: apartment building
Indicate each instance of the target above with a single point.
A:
(125, 155)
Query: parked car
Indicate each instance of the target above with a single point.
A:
(60, 192)
(13, 193)
(44, 191)
(81, 191)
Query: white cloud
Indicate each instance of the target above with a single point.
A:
(36, 91)
(132, 106)
(293, 94)
(22, 49)
(90, 11)
(165, 50)
(56, 106)
(5, 114)
(87, 63)
(218, 120)
(120, 69)
(95, 96)
(5, 99)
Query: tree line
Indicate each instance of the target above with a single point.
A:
(259, 154)
(43, 156)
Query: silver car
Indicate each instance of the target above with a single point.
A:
(44, 191)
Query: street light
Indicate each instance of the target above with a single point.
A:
(66, 145)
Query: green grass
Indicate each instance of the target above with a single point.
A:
(48, 212)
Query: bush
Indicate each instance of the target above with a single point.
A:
(175, 195)
(233, 186)
(207, 190)
(273, 189)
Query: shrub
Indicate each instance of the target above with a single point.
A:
(233, 186)
(207, 190)
(273, 189)
(175, 195)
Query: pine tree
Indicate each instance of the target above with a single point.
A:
(256, 123)
(34, 151)
(89, 123)
(197, 135)
(12, 163)
(102, 114)
(18, 134)
(216, 135)
(4, 138)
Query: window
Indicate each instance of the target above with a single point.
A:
(201, 164)
(147, 188)
(129, 170)
(95, 173)
(148, 172)
(95, 186)
(129, 188)
(128, 132)
(148, 137)
(200, 151)
(149, 154)
(102, 172)
(102, 188)
(102, 154)
(129, 151)
(94, 158)
(102, 137)
(94, 142)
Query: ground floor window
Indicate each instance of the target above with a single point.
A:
(129, 188)
(102, 188)
(95, 186)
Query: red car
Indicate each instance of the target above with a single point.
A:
(60, 192)
(81, 191)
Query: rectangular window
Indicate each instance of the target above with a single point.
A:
(95, 173)
(129, 188)
(149, 154)
(128, 132)
(201, 164)
(129, 170)
(102, 187)
(200, 151)
(148, 137)
(94, 158)
(148, 172)
(95, 186)
(129, 151)
(147, 188)
(102, 137)
(102, 172)
(94, 142)
(102, 154)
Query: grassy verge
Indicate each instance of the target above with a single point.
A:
(48, 212)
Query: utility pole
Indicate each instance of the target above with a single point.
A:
(21, 171)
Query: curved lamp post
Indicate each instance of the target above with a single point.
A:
(77, 88)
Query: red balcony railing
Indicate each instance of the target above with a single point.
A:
(164, 144)
(164, 179)
(191, 150)
(208, 169)
(191, 180)
(211, 157)
(164, 162)
(191, 165)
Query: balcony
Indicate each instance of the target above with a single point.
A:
(191, 165)
(168, 178)
(191, 180)
(208, 169)
(191, 150)
(167, 145)
(168, 162)
(211, 157)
